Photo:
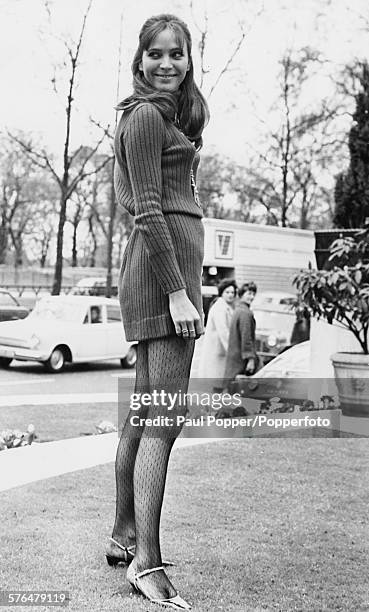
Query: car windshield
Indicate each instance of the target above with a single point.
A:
(274, 321)
(61, 311)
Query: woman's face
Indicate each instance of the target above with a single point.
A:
(228, 295)
(248, 297)
(164, 63)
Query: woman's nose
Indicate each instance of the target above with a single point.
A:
(166, 62)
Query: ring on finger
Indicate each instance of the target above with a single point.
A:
(185, 332)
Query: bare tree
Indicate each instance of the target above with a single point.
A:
(39, 241)
(75, 216)
(109, 180)
(301, 147)
(25, 189)
(203, 31)
(72, 173)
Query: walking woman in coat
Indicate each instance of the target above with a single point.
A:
(241, 355)
(156, 146)
(215, 341)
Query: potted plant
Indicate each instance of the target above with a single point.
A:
(341, 296)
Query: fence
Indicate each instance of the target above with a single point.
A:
(43, 277)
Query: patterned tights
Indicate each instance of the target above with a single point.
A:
(143, 453)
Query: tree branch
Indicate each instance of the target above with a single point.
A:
(229, 61)
(82, 175)
(35, 156)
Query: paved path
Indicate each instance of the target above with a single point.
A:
(39, 461)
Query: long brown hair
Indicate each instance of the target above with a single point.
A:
(189, 107)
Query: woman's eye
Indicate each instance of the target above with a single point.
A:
(178, 55)
(154, 55)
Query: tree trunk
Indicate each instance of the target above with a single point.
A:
(58, 271)
(284, 191)
(304, 211)
(44, 249)
(92, 263)
(3, 242)
(74, 246)
(18, 256)
(93, 257)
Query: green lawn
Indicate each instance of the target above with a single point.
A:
(253, 525)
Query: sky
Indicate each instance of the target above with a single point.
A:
(31, 46)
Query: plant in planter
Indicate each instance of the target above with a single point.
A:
(341, 296)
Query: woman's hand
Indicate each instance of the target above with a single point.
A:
(186, 319)
(250, 366)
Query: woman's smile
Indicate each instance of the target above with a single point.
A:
(165, 63)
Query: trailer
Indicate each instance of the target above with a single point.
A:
(268, 255)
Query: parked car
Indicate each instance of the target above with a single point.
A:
(284, 383)
(93, 286)
(292, 363)
(67, 329)
(10, 308)
(286, 377)
(275, 300)
(275, 317)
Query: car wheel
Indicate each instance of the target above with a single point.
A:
(56, 361)
(129, 361)
(5, 362)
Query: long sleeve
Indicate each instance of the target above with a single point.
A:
(246, 328)
(143, 140)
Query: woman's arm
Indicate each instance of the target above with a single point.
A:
(143, 140)
(247, 340)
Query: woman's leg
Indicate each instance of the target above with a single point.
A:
(124, 530)
(169, 362)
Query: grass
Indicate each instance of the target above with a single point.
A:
(253, 525)
(58, 421)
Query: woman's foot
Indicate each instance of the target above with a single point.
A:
(155, 585)
(120, 551)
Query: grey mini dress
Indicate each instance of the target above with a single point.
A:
(164, 253)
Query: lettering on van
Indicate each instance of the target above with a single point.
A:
(224, 244)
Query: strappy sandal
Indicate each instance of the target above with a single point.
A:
(126, 558)
(176, 602)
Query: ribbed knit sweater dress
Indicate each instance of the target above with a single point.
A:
(165, 250)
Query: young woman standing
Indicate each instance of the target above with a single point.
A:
(156, 147)
(215, 342)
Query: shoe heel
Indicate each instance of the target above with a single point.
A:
(112, 561)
